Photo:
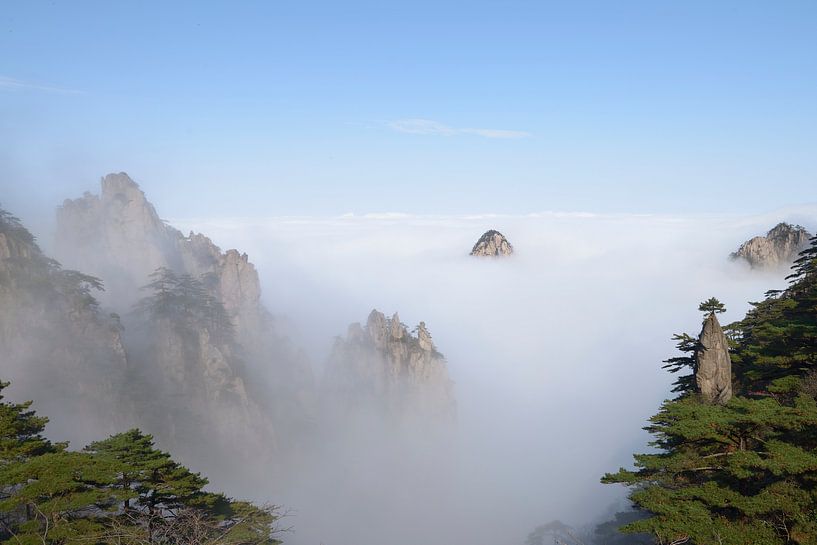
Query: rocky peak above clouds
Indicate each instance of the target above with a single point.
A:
(778, 248)
(492, 244)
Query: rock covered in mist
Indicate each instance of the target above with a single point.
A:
(492, 244)
(56, 345)
(195, 391)
(714, 365)
(778, 248)
(234, 387)
(117, 235)
(385, 366)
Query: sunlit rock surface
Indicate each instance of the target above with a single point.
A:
(714, 366)
(492, 244)
(778, 248)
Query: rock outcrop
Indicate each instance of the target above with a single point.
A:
(492, 244)
(778, 248)
(384, 367)
(118, 236)
(249, 384)
(713, 364)
(56, 345)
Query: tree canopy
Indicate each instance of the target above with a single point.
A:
(119, 491)
(744, 472)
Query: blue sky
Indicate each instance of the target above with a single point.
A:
(272, 108)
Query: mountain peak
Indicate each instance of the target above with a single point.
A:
(492, 244)
(778, 248)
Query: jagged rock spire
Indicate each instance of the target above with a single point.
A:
(492, 244)
(714, 366)
(383, 363)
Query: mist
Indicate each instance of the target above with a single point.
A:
(556, 354)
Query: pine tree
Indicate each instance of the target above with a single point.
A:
(58, 497)
(157, 481)
(21, 432)
(712, 305)
(744, 472)
(119, 491)
(185, 301)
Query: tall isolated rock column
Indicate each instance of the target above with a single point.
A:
(714, 366)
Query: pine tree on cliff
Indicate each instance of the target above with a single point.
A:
(712, 305)
(688, 345)
(185, 301)
(744, 471)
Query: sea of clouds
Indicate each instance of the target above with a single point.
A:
(556, 351)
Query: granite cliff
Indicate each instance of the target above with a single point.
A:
(779, 248)
(249, 383)
(383, 366)
(192, 356)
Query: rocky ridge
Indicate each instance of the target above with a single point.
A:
(248, 384)
(118, 236)
(195, 358)
(778, 248)
(383, 365)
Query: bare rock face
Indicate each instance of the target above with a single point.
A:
(714, 366)
(778, 248)
(492, 244)
(384, 366)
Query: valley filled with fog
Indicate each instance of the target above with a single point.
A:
(364, 372)
(555, 353)
(408, 273)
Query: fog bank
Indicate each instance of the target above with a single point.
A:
(556, 352)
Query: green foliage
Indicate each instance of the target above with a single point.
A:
(156, 481)
(712, 305)
(42, 278)
(21, 432)
(185, 301)
(62, 494)
(687, 345)
(11, 226)
(744, 472)
(121, 490)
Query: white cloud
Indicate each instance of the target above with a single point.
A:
(428, 126)
(13, 84)
(579, 318)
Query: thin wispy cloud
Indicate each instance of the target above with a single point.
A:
(13, 84)
(430, 127)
